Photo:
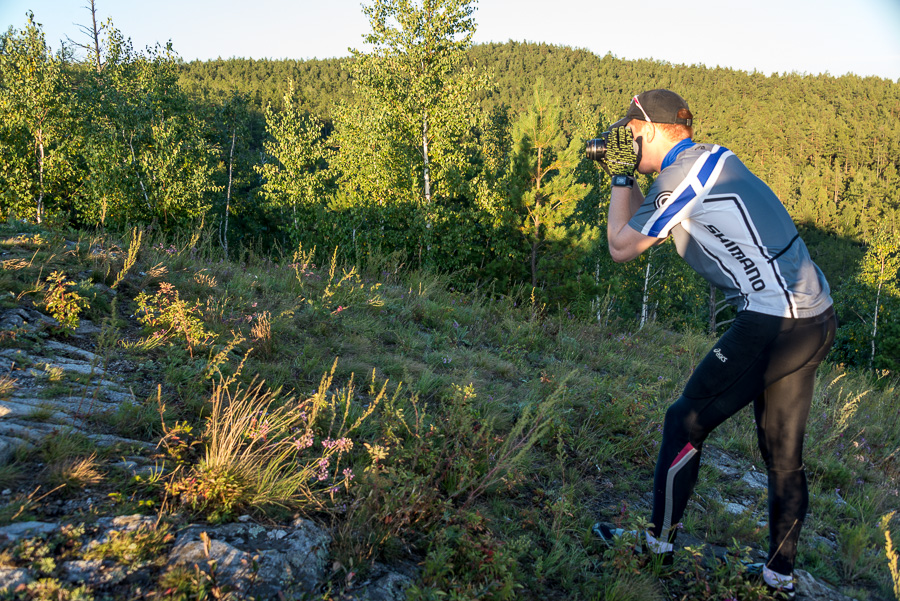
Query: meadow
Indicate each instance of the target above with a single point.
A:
(471, 434)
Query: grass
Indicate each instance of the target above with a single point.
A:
(478, 436)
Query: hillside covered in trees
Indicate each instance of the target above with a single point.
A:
(469, 162)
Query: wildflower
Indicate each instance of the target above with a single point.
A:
(258, 429)
(341, 445)
(323, 469)
(348, 473)
(304, 442)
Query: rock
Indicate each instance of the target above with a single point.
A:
(60, 347)
(389, 587)
(86, 328)
(104, 289)
(36, 317)
(735, 508)
(21, 530)
(821, 540)
(293, 558)
(13, 319)
(124, 523)
(12, 578)
(756, 480)
(232, 565)
(93, 572)
(722, 461)
(810, 588)
(307, 552)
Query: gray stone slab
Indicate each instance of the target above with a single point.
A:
(61, 347)
(12, 578)
(22, 530)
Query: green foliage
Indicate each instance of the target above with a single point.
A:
(869, 305)
(35, 104)
(63, 303)
(171, 316)
(133, 546)
(543, 183)
(294, 179)
(466, 551)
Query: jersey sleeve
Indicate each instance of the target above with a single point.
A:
(647, 213)
(678, 192)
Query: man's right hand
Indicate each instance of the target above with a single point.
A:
(621, 157)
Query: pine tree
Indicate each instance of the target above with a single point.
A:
(545, 164)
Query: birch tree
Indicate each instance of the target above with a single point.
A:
(34, 102)
(406, 136)
(294, 178)
(880, 274)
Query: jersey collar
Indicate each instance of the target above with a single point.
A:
(676, 150)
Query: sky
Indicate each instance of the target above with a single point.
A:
(769, 36)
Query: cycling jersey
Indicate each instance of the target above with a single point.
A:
(733, 230)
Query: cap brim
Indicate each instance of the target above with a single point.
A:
(621, 122)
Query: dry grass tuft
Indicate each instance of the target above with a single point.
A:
(74, 473)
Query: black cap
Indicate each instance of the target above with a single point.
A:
(659, 106)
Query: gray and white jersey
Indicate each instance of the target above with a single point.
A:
(732, 229)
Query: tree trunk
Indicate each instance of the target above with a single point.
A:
(228, 191)
(875, 318)
(712, 309)
(135, 165)
(40, 200)
(96, 33)
(427, 174)
(645, 299)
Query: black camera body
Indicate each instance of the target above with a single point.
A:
(596, 148)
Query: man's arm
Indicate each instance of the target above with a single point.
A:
(625, 242)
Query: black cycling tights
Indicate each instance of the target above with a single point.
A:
(772, 362)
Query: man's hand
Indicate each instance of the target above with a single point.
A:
(620, 154)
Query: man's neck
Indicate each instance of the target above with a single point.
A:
(674, 151)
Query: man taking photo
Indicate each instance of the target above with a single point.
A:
(734, 231)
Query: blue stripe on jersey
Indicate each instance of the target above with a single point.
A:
(688, 194)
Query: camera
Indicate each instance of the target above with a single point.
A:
(596, 148)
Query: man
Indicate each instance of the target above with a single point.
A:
(732, 229)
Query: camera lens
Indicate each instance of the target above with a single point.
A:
(596, 148)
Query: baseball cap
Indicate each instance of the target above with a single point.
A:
(658, 106)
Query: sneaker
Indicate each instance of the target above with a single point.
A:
(781, 587)
(644, 543)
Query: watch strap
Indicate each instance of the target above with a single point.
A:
(623, 180)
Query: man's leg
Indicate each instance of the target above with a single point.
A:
(727, 379)
(781, 414)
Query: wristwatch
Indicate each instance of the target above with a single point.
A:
(623, 180)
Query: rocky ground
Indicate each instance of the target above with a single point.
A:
(62, 389)
(78, 542)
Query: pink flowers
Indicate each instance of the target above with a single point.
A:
(304, 442)
(341, 445)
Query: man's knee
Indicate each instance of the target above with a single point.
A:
(681, 421)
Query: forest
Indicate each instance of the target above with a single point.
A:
(433, 152)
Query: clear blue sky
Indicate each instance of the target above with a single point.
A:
(770, 36)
